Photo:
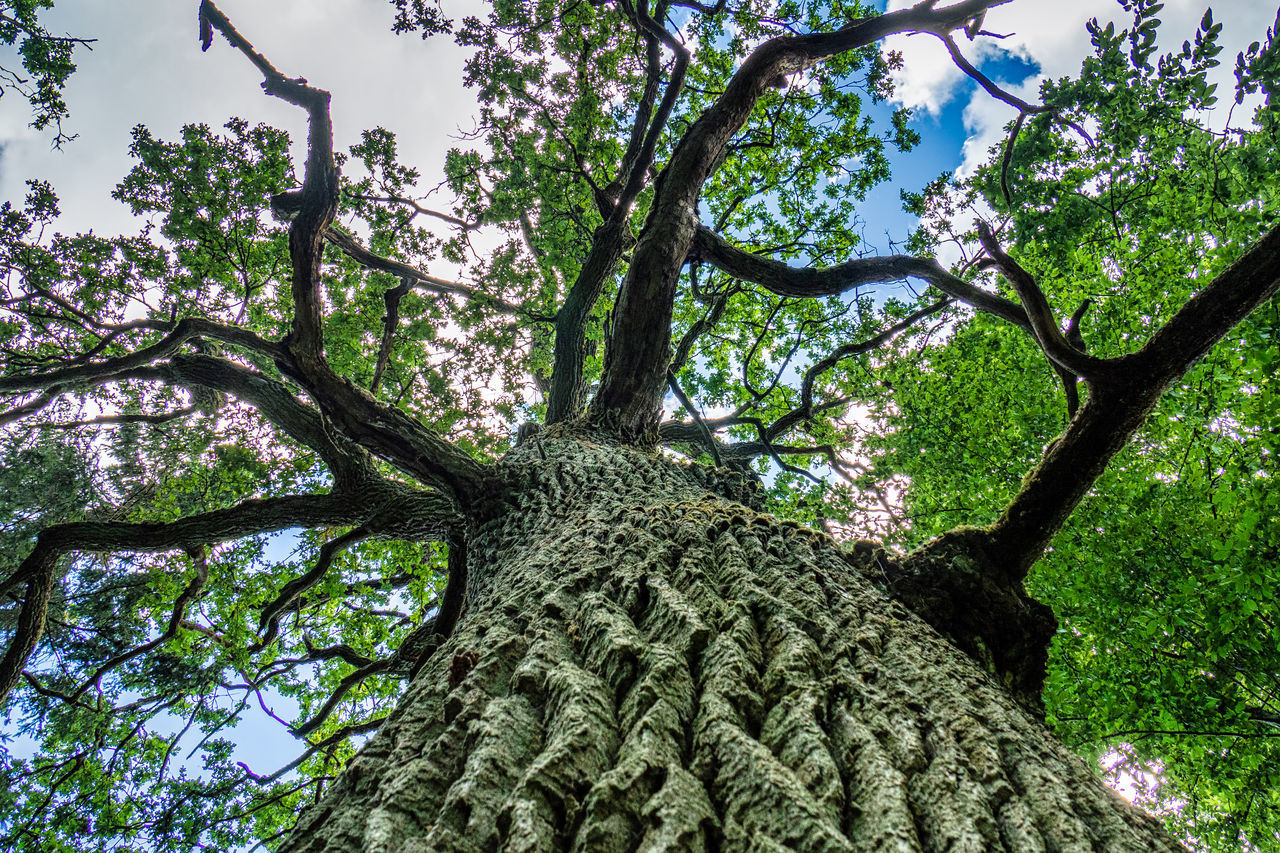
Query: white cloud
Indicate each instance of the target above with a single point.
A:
(1053, 36)
(147, 68)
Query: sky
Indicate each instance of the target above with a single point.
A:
(146, 68)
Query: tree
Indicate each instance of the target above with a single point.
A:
(45, 61)
(607, 646)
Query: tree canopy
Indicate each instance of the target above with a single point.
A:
(240, 445)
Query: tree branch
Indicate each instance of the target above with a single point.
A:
(613, 237)
(418, 208)
(419, 279)
(1044, 326)
(811, 375)
(155, 419)
(1118, 404)
(638, 354)
(348, 463)
(707, 322)
(317, 200)
(708, 438)
(199, 557)
(813, 282)
(387, 431)
(269, 619)
(39, 569)
(184, 331)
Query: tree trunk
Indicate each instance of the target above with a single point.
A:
(647, 664)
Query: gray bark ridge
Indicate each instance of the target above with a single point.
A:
(647, 665)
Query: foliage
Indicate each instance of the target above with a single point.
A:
(46, 60)
(151, 656)
(1167, 653)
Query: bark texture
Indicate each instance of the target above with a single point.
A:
(647, 663)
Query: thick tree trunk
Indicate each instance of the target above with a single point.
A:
(647, 664)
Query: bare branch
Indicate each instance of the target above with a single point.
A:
(344, 687)
(341, 650)
(1007, 159)
(1023, 108)
(703, 325)
(1069, 380)
(332, 740)
(155, 419)
(18, 412)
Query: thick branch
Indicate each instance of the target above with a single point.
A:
(396, 437)
(184, 331)
(39, 570)
(317, 200)
(1117, 406)
(613, 237)
(348, 463)
(1044, 326)
(1211, 313)
(385, 430)
(813, 282)
(455, 588)
(639, 351)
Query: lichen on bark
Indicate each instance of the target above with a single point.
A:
(647, 664)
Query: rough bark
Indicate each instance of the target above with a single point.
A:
(647, 663)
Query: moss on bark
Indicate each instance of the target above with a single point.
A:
(646, 664)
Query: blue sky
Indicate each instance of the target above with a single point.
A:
(942, 135)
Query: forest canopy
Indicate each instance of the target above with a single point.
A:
(199, 447)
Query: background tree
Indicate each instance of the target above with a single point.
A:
(44, 60)
(643, 656)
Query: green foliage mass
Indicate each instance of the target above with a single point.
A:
(1163, 580)
(1128, 194)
